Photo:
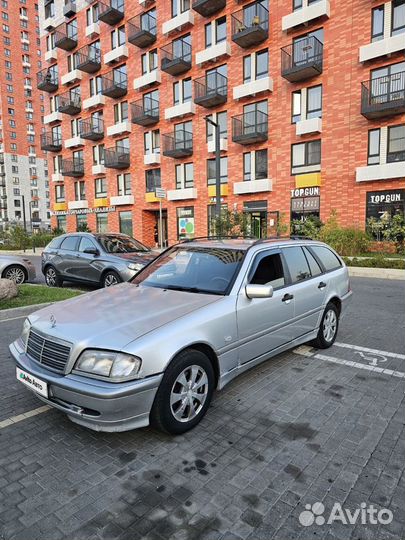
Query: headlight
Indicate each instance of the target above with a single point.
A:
(114, 365)
(135, 266)
(25, 332)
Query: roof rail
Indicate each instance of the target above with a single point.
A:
(222, 237)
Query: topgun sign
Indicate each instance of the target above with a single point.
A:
(305, 192)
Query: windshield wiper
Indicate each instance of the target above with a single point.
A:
(190, 289)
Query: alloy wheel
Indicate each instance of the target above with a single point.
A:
(110, 280)
(329, 325)
(15, 274)
(189, 393)
(51, 277)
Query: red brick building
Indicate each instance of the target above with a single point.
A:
(310, 97)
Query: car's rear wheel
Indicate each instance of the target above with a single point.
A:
(51, 277)
(111, 278)
(15, 273)
(184, 394)
(328, 328)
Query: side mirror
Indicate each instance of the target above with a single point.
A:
(258, 291)
(91, 251)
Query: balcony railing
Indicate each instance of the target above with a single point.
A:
(70, 102)
(88, 59)
(114, 84)
(69, 9)
(206, 8)
(145, 112)
(51, 142)
(250, 25)
(250, 127)
(91, 129)
(176, 57)
(116, 158)
(72, 167)
(302, 59)
(111, 11)
(142, 30)
(178, 144)
(384, 96)
(211, 90)
(47, 80)
(66, 37)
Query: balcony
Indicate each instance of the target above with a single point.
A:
(384, 171)
(302, 60)
(253, 186)
(69, 9)
(70, 103)
(88, 59)
(178, 111)
(384, 96)
(97, 100)
(116, 158)
(213, 53)
(98, 169)
(111, 12)
(78, 205)
(72, 167)
(206, 8)
(122, 200)
(211, 90)
(250, 26)
(306, 14)
(65, 37)
(116, 55)
(253, 88)
(91, 129)
(145, 112)
(51, 55)
(114, 84)
(92, 30)
(51, 142)
(383, 47)
(120, 128)
(147, 80)
(176, 57)
(180, 22)
(47, 80)
(142, 30)
(178, 145)
(71, 77)
(53, 117)
(250, 127)
(152, 158)
(74, 142)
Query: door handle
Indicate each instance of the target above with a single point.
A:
(287, 298)
(322, 285)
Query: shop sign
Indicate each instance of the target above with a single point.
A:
(385, 197)
(306, 192)
(77, 211)
(304, 204)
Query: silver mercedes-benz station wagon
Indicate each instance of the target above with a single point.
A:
(152, 351)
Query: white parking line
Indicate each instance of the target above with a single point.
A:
(20, 417)
(13, 318)
(366, 349)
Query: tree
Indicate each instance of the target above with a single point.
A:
(82, 227)
(231, 223)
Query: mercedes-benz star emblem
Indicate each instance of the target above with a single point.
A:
(53, 321)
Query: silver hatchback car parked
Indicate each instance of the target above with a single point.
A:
(153, 350)
(98, 259)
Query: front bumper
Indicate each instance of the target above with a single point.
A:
(31, 273)
(98, 405)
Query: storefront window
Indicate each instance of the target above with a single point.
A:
(102, 222)
(61, 222)
(126, 223)
(305, 202)
(185, 222)
(383, 204)
(257, 218)
(81, 222)
(212, 218)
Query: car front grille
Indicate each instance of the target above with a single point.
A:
(47, 352)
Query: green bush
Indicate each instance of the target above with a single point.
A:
(345, 240)
(310, 227)
(378, 261)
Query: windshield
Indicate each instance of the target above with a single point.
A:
(193, 269)
(120, 244)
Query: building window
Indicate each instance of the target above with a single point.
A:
(255, 165)
(396, 143)
(149, 61)
(184, 173)
(102, 222)
(185, 222)
(314, 102)
(120, 112)
(377, 23)
(398, 17)
(60, 193)
(256, 66)
(118, 37)
(153, 180)
(124, 184)
(215, 32)
(81, 222)
(179, 6)
(126, 223)
(296, 107)
(61, 223)
(305, 202)
(382, 203)
(306, 157)
(211, 171)
(182, 91)
(373, 147)
(80, 191)
(151, 142)
(100, 188)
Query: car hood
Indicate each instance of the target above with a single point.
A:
(113, 317)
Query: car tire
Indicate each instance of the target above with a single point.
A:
(52, 279)
(110, 278)
(177, 416)
(15, 273)
(328, 328)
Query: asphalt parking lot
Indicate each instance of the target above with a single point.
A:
(305, 428)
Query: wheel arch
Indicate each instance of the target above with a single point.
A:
(15, 265)
(337, 302)
(205, 349)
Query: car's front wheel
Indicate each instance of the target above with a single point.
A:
(184, 394)
(328, 328)
(51, 277)
(111, 278)
(15, 273)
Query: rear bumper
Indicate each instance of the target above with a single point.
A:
(346, 299)
(31, 273)
(98, 405)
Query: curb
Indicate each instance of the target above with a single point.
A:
(379, 273)
(21, 253)
(6, 314)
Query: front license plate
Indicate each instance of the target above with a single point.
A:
(35, 384)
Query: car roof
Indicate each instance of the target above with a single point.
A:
(244, 243)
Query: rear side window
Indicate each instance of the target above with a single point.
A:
(86, 243)
(327, 257)
(69, 243)
(297, 264)
(269, 271)
(55, 243)
(313, 263)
